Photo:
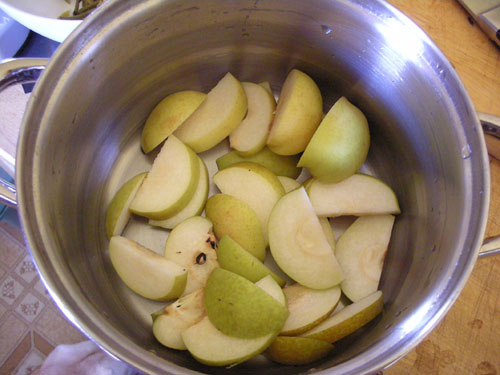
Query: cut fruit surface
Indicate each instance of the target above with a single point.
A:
(271, 287)
(251, 135)
(220, 113)
(253, 184)
(234, 258)
(195, 205)
(170, 184)
(298, 114)
(234, 218)
(170, 322)
(118, 213)
(298, 243)
(358, 195)
(239, 308)
(288, 183)
(210, 346)
(192, 245)
(307, 307)
(145, 272)
(167, 116)
(349, 319)
(298, 351)
(361, 252)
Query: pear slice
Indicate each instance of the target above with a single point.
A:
(167, 116)
(211, 347)
(145, 272)
(308, 307)
(339, 146)
(239, 308)
(328, 231)
(349, 319)
(271, 287)
(297, 351)
(288, 183)
(278, 164)
(251, 135)
(118, 213)
(220, 113)
(191, 244)
(255, 185)
(298, 114)
(267, 86)
(233, 217)
(194, 207)
(298, 243)
(170, 184)
(171, 321)
(234, 258)
(357, 195)
(361, 251)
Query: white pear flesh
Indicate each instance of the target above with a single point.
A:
(174, 319)
(145, 272)
(251, 135)
(298, 114)
(253, 184)
(299, 245)
(192, 245)
(271, 287)
(328, 231)
(118, 213)
(167, 116)
(308, 307)
(195, 205)
(348, 320)
(211, 347)
(288, 183)
(170, 184)
(339, 146)
(220, 113)
(357, 195)
(361, 252)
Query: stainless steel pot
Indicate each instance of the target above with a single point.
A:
(79, 141)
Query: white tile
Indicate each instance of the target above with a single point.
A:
(30, 364)
(30, 307)
(10, 290)
(26, 269)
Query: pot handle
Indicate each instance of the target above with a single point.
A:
(15, 71)
(491, 128)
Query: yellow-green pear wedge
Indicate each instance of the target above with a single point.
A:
(192, 245)
(267, 86)
(234, 218)
(298, 114)
(118, 213)
(348, 320)
(234, 258)
(298, 243)
(328, 231)
(271, 287)
(145, 272)
(255, 185)
(288, 183)
(361, 252)
(195, 205)
(357, 195)
(167, 116)
(308, 307)
(251, 135)
(220, 113)
(278, 164)
(211, 347)
(170, 184)
(239, 308)
(171, 321)
(296, 351)
(339, 146)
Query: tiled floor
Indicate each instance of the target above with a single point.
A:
(30, 323)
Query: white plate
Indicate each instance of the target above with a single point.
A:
(41, 16)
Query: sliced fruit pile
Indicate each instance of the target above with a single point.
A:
(234, 299)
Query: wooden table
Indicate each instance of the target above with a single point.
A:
(467, 341)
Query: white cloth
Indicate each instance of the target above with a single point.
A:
(84, 358)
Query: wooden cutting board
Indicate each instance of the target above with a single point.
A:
(467, 341)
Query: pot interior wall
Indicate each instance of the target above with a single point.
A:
(103, 82)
